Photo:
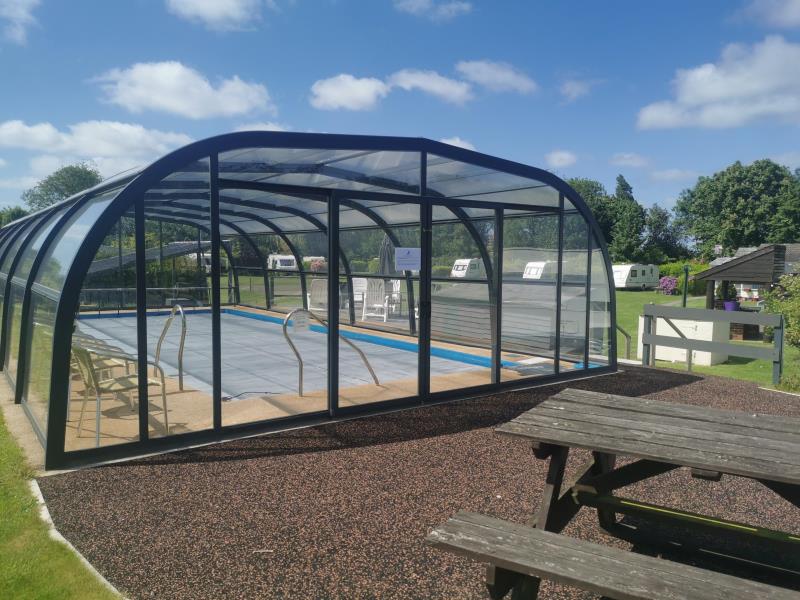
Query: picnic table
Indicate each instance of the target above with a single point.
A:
(658, 437)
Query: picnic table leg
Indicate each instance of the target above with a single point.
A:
(604, 463)
(499, 581)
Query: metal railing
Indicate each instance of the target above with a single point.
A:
(177, 308)
(650, 338)
(297, 311)
(627, 337)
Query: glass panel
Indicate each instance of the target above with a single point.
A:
(54, 268)
(462, 305)
(600, 307)
(20, 274)
(260, 370)
(104, 395)
(378, 318)
(456, 179)
(178, 290)
(573, 290)
(387, 171)
(37, 386)
(530, 282)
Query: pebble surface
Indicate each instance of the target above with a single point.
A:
(342, 510)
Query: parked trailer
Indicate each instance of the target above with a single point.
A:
(469, 268)
(541, 270)
(635, 277)
(281, 262)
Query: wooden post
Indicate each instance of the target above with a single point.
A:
(710, 295)
(777, 365)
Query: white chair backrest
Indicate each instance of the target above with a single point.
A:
(376, 292)
(396, 285)
(318, 295)
(360, 286)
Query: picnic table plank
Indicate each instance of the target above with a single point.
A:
(646, 448)
(706, 426)
(592, 567)
(736, 445)
(698, 413)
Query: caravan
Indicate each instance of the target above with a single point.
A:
(635, 277)
(281, 262)
(543, 270)
(468, 268)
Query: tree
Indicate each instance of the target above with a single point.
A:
(596, 197)
(60, 185)
(743, 205)
(662, 239)
(628, 228)
(11, 213)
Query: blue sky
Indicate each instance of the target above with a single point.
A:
(659, 91)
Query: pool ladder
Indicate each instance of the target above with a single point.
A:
(176, 308)
(297, 353)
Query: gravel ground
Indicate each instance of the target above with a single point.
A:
(341, 510)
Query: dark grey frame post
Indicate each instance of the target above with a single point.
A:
(141, 321)
(333, 304)
(497, 307)
(559, 277)
(216, 325)
(588, 295)
(426, 249)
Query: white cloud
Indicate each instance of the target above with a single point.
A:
(559, 159)
(674, 175)
(628, 159)
(572, 89)
(262, 126)
(748, 83)
(348, 92)
(436, 11)
(3, 163)
(775, 13)
(496, 76)
(177, 89)
(790, 159)
(219, 15)
(457, 141)
(430, 82)
(17, 17)
(111, 145)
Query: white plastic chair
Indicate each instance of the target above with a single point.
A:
(318, 295)
(376, 300)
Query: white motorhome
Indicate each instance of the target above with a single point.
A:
(541, 269)
(281, 262)
(468, 268)
(635, 277)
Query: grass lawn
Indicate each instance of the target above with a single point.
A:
(31, 564)
(629, 307)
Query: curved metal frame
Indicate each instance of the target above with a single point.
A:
(135, 186)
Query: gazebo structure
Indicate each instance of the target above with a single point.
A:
(261, 280)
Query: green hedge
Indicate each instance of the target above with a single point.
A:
(675, 269)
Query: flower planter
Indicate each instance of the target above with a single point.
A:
(731, 305)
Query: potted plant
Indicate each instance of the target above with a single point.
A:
(727, 293)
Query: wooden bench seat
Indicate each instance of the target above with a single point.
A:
(519, 550)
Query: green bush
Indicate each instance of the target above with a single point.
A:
(784, 299)
(441, 270)
(359, 266)
(675, 269)
(373, 265)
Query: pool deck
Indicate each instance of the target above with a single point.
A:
(260, 372)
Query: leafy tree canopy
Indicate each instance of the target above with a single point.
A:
(60, 185)
(743, 205)
(11, 213)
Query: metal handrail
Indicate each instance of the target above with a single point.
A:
(300, 359)
(176, 308)
(627, 341)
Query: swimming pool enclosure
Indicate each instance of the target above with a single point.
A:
(261, 280)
